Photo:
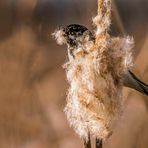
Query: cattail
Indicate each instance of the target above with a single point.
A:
(97, 63)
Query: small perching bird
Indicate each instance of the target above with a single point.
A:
(97, 69)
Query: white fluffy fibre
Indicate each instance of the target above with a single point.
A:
(102, 24)
(58, 35)
(122, 51)
(89, 109)
(94, 97)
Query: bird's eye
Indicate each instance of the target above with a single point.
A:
(72, 37)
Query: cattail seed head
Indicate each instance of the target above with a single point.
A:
(97, 63)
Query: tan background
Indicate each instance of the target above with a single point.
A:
(33, 84)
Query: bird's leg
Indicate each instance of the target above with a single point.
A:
(98, 143)
(87, 144)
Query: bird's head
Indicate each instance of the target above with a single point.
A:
(75, 36)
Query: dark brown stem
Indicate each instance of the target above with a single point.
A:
(98, 143)
(87, 144)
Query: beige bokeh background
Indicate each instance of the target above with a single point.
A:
(33, 83)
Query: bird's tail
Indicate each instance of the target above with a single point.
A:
(130, 80)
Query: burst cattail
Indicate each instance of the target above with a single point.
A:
(97, 63)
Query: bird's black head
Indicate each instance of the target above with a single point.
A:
(73, 32)
(77, 37)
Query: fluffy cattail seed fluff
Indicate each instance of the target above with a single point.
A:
(58, 35)
(94, 97)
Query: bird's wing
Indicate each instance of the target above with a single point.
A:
(130, 80)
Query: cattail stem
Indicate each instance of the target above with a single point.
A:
(98, 143)
(100, 6)
(87, 144)
(103, 20)
(104, 8)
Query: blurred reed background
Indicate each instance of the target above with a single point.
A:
(33, 84)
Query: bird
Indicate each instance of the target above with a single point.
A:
(74, 35)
